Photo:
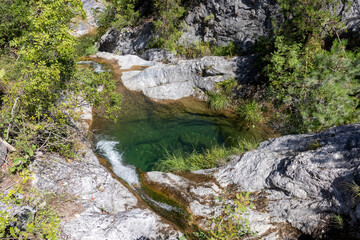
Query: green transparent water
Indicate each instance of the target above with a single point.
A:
(147, 130)
(145, 141)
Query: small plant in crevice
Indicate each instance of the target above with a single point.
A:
(43, 223)
(231, 223)
(222, 97)
(250, 112)
(354, 189)
(218, 100)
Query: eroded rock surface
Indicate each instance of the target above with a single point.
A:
(89, 24)
(224, 21)
(3, 152)
(219, 22)
(106, 208)
(127, 40)
(188, 77)
(298, 182)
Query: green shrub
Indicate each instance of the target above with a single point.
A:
(44, 224)
(167, 27)
(86, 46)
(321, 85)
(38, 102)
(229, 50)
(231, 223)
(14, 20)
(250, 112)
(218, 100)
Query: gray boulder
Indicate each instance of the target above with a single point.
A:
(104, 208)
(188, 77)
(91, 7)
(224, 21)
(159, 55)
(126, 41)
(299, 183)
(3, 153)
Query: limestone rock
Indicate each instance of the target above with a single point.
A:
(299, 182)
(109, 210)
(224, 21)
(82, 27)
(3, 153)
(126, 41)
(159, 55)
(188, 77)
(127, 61)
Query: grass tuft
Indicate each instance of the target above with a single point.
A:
(210, 158)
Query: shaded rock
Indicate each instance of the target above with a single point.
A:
(159, 55)
(126, 41)
(3, 153)
(351, 16)
(224, 21)
(188, 77)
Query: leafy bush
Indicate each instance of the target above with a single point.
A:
(321, 85)
(44, 224)
(44, 87)
(168, 23)
(232, 223)
(13, 20)
(229, 50)
(119, 14)
(86, 46)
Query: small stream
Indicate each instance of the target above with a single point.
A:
(148, 131)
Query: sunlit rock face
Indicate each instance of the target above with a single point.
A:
(84, 26)
(299, 183)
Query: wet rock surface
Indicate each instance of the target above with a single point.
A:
(299, 182)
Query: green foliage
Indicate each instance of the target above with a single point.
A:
(321, 85)
(13, 20)
(250, 112)
(43, 88)
(210, 158)
(119, 14)
(309, 20)
(218, 100)
(223, 96)
(42, 225)
(86, 45)
(227, 86)
(168, 23)
(126, 15)
(229, 50)
(355, 190)
(232, 223)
